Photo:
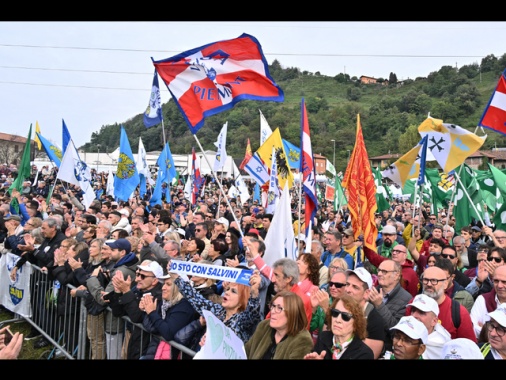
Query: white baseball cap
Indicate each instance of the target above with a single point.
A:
(425, 303)
(154, 267)
(461, 348)
(363, 274)
(499, 314)
(413, 328)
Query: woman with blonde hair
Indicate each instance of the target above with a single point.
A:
(336, 265)
(165, 319)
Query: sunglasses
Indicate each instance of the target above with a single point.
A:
(337, 285)
(142, 276)
(496, 259)
(447, 256)
(345, 316)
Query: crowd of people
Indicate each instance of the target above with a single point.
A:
(426, 292)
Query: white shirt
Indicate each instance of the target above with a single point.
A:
(479, 313)
(437, 338)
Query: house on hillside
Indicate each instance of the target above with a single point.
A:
(370, 80)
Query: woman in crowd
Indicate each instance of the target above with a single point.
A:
(192, 249)
(345, 340)
(239, 309)
(216, 252)
(335, 265)
(165, 319)
(95, 327)
(284, 335)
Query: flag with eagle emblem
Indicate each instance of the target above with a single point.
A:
(127, 177)
(265, 153)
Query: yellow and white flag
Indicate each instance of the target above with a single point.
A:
(265, 152)
(449, 144)
(406, 167)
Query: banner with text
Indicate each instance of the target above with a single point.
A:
(217, 272)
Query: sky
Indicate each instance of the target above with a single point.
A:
(93, 74)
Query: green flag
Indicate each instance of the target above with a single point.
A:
(339, 197)
(24, 171)
(382, 192)
(463, 210)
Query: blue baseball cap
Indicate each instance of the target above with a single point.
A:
(121, 244)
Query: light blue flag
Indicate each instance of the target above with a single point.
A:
(153, 114)
(292, 154)
(54, 153)
(166, 173)
(256, 194)
(127, 176)
(65, 137)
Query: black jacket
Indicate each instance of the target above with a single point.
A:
(356, 350)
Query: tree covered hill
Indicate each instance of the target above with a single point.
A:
(390, 114)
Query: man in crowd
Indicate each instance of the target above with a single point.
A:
(333, 241)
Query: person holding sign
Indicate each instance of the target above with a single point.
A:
(284, 335)
(240, 307)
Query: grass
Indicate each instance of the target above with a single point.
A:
(28, 351)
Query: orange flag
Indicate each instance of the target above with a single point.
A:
(359, 183)
(247, 156)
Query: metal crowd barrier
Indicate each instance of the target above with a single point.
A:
(66, 328)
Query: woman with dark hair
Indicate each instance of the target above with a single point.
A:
(284, 335)
(192, 249)
(345, 340)
(216, 252)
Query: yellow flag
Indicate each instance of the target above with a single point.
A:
(265, 153)
(37, 140)
(449, 144)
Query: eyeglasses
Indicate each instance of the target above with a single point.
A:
(398, 251)
(334, 267)
(432, 218)
(433, 281)
(345, 316)
(142, 276)
(499, 330)
(446, 256)
(398, 337)
(337, 285)
(496, 259)
(384, 271)
(276, 308)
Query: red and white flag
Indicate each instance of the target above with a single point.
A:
(494, 116)
(308, 170)
(210, 79)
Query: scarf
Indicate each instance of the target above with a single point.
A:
(165, 306)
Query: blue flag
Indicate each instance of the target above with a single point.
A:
(65, 137)
(166, 173)
(127, 176)
(423, 157)
(256, 194)
(292, 154)
(153, 114)
(54, 153)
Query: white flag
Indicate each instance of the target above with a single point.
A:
(221, 154)
(142, 163)
(110, 183)
(75, 171)
(240, 185)
(280, 239)
(273, 192)
(265, 129)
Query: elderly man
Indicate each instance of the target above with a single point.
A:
(435, 282)
(317, 251)
(426, 310)
(358, 286)
(409, 338)
(389, 297)
(488, 302)
(495, 349)
(399, 254)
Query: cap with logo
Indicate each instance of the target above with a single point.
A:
(413, 328)
(363, 275)
(154, 267)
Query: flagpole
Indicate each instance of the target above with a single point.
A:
(219, 185)
(469, 198)
(451, 197)
(300, 198)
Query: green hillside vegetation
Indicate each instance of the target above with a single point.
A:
(390, 114)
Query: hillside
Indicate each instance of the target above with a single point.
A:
(389, 114)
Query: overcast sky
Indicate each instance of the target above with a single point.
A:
(92, 74)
